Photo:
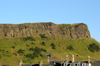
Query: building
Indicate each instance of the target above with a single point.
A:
(64, 63)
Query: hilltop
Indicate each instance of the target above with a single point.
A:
(30, 42)
(50, 30)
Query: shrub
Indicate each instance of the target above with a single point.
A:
(43, 50)
(7, 51)
(31, 49)
(15, 54)
(3, 51)
(86, 36)
(49, 55)
(30, 56)
(70, 48)
(37, 50)
(20, 51)
(13, 47)
(53, 46)
(43, 43)
(93, 47)
(42, 36)
(5, 34)
(28, 38)
(41, 55)
(36, 53)
(27, 45)
(33, 43)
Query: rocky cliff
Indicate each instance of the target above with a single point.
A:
(50, 30)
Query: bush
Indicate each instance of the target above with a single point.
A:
(7, 51)
(42, 36)
(70, 48)
(36, 53)
(31, 49)
(33, 55)
(20, 51)
(43, 43)
(33, 43)
(3, 51)
(15, 54)
(28, 38)
(53, 46)
(13, 47)
(37, 50)
(93, 47)
(49, 55)
(27, 45)
(41, 55)
(43, 50)
(5, 34)
(30, 56)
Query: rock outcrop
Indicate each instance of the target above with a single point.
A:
(50, 30)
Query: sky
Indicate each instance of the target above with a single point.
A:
(56, 11)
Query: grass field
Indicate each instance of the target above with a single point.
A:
(9, 48)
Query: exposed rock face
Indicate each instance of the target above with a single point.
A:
(57, 31)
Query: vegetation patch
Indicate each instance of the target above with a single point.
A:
(43, 43)
(93, 47)
(53, 46)
(20, 51)
(58, 33)
(70, 48)
(28, 38)
(42, 36)
(13, 47)
(43, 50)
(5, 34)
(36, 53)
(49, 55)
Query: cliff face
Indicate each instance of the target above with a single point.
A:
(57, 31)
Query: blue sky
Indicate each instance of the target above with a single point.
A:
(56, 11)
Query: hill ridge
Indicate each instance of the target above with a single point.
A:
(50, 30)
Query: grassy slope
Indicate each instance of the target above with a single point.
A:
(80, 48)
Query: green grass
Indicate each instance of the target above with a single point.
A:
(80, 48)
